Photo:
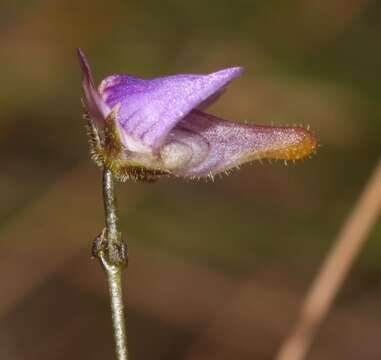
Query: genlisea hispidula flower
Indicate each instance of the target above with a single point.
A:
(143, 129)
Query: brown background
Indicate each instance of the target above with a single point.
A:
(217, 270)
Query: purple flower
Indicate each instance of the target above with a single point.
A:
(147, 128)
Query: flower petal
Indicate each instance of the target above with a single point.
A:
(202, 145)
(97, 109)
(151, 108)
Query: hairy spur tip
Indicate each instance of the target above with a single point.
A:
(292, 143)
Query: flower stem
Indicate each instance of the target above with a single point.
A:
(112, 221)
(113, 256)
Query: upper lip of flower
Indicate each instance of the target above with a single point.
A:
(161, 118)
(151, 108)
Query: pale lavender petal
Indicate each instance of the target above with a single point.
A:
(97, 109)
(151, 108)
(202, 144)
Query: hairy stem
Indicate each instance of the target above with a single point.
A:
(113, 257)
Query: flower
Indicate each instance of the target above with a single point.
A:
(143, 129)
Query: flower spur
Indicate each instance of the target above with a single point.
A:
(144, 129)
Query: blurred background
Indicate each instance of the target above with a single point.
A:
(217, 270)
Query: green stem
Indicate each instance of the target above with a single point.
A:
(112, 222)
(113, 263)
